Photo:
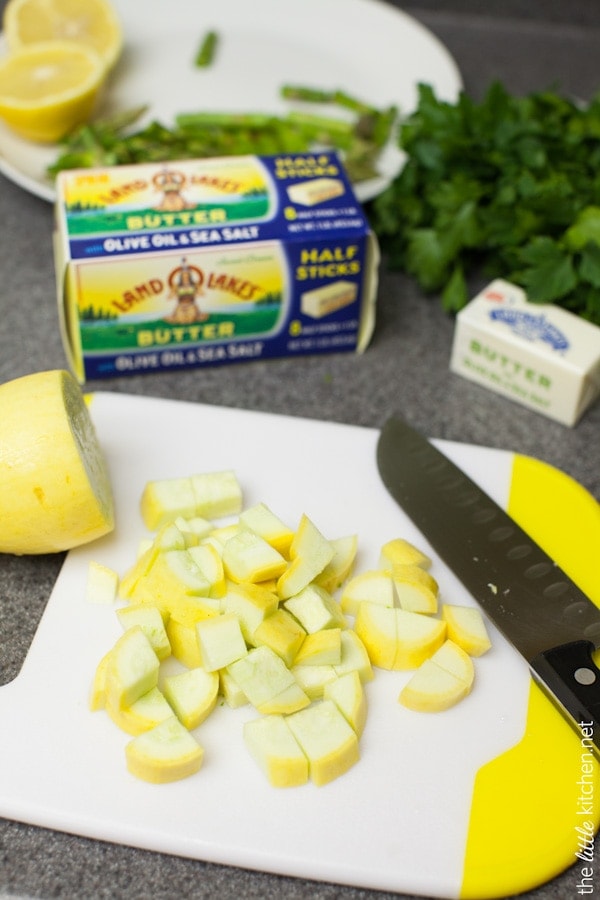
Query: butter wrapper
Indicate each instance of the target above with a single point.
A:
(205, 262)
(541, 356)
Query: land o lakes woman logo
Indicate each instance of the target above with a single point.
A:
(185, 285)
(171, 182)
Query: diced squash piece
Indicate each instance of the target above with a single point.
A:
(102, 584)
(269, 585)
(152, 623)
(416, 589)
(138, 570)
(166, 499)
(195, 525)
(192, 695)
(348, 694)
(340, 568)
(264, 522)
(456, 660)
(399, 552)
(395, 638)
(432, 689)
(467, 628)
(132, 668)
(171, 537)
(183, 639)
(176, 570)
(210, 495)
(171, 574)
(282, 633)
(377, 628)
(188, 608)
(210, 562)
(142, 715)
(290, 700)
(315, 609)
(418, 637)
(98, 693)
(248, 557)
(326, 738)
(219, 536)
(374, 585)
(144, 544)
(320, 648)
(354, 657)
(440, 681)
(276, 751)
(232, 693)
(221, 641)
(312, 679)
(168, 752)
(261, 674)
(176, 586)
(251, 603)
(217, 494)
(310, 552)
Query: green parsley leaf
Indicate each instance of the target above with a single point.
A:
(455, 293)
(589, 266)
(549, 273)
(585, 229)
(428, 257)
(508, 186)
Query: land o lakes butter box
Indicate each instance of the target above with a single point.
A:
(205, 262)
(540, 355)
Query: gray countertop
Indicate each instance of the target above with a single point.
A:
(405, 369)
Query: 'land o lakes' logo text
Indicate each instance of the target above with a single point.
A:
(186, 284)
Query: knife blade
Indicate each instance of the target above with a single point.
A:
(530, 599)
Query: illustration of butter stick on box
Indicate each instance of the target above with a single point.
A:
(317, 190)
(324, 300)
(539, 355)
(162, 266)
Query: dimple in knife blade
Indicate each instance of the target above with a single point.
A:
(530, 599)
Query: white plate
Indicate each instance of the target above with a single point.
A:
(366, 47)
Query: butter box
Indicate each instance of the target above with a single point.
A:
(211, 261)
(541, 356)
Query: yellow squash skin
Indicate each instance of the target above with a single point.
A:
(55, 491)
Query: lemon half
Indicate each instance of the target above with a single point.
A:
(49, 88)
(91, 23)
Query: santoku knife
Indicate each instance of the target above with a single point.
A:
(537, 607)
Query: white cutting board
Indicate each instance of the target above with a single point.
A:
(378, 826)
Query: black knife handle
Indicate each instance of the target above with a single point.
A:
(571, 677)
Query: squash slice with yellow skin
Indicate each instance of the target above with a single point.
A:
(168, 752)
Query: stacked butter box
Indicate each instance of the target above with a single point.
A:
(212, 261)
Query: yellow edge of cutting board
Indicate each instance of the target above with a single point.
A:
(529, 802)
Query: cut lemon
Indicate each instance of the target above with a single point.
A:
(47, 89)
(92, 23)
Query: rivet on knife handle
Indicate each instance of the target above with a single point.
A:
(569, 674)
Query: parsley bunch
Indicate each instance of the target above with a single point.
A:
(509, 187)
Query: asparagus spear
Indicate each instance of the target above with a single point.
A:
(111, 141)
(206, 50)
